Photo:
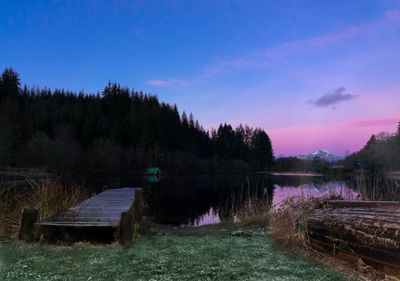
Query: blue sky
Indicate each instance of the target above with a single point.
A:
(262, 63)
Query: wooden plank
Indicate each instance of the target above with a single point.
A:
(102, 210)
(359, 217)
(362, 204)
(364, 229)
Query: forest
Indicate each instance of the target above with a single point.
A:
(380, 153)
(118, 131)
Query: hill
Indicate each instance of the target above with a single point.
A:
(321, 154)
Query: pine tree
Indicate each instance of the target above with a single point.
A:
(371, 142)
(398, 129)
(191, 120)
(184, 120)
(9, 83)
(262, 149)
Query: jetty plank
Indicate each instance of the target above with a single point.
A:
(102, 210)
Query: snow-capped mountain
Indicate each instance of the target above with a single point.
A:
(322, 154)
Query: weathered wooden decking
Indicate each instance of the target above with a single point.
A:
(102, 210)
(369, 230)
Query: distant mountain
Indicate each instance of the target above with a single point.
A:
(322, 154)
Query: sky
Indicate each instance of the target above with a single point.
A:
(312, 74)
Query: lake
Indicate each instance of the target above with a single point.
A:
(205, 199)
(199, 200)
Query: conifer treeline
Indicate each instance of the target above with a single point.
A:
(119, 131)
(380, 153)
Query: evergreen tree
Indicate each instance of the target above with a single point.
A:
(371, 141)
(398, 129)
(262, 149)
(9, 83)
(184, 120)
(191, 121)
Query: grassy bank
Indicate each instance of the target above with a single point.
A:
(208, 253)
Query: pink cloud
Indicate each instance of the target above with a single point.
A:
(393, 15)
(159, 83)
(170, 82)
(294, 47)
(225, 66)
(265, 57)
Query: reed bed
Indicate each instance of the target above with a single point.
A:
(248, 204)
(287, 222)
(378, 186)
(50, 197)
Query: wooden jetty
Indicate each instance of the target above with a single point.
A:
(97, 218)
(366, 230)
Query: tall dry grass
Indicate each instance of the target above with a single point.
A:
(50, 197)
(254, 210)
(377, 186)
(249, 204)
(287, 222)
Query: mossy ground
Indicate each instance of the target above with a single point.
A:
(206, 253)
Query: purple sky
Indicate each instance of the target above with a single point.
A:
(313, 74)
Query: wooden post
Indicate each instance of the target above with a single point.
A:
(126, 229)
(29, 218)
(138, 206)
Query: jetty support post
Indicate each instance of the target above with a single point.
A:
(138, 206)
(29, 218)
(126, 229)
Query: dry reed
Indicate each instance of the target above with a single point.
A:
(288, 221)
(249, 204)
(50, 196)
(377, 186)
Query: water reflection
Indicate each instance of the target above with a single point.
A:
(328, 189)
(203, 200)
(199, 200)
(211, 217)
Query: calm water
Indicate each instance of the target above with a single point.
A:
(200, 200)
